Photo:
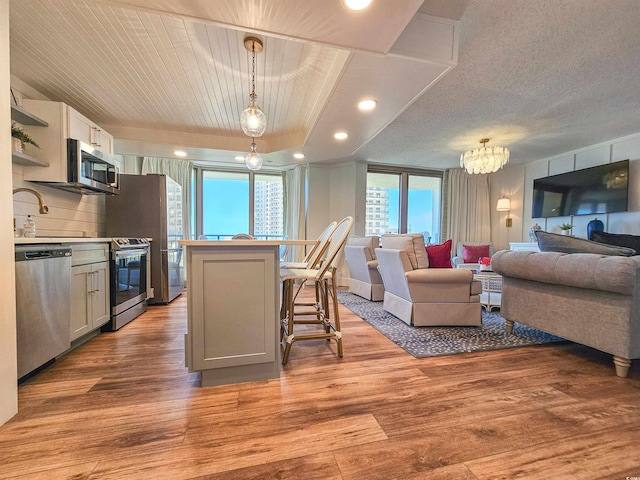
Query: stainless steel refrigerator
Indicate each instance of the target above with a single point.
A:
(150, 206)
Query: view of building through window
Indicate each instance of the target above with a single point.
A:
(268, 207)
(226, 198)
(382, 207)
(421, 198)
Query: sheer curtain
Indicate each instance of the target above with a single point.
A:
(467, 208)
(180, 171)
(294, 213)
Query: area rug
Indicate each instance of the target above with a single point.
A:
(436, 341)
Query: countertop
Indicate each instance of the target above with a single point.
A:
(243, 243)
(38, 240)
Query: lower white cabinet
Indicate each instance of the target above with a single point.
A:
(90, 302)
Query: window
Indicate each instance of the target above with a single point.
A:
(382, 203)
(423, 207)
(268, 207)
(230, 202)
(404, 201)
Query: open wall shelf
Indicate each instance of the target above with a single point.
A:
(22, 159)
(25, 118)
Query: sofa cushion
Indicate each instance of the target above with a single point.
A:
(370, 242)
(440, 255)
(412, 243)
(618, 239)
(583, 270)
(552, 242)
(471, 253)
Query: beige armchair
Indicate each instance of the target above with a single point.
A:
(459, 261)
(422, 296)
(360, 255)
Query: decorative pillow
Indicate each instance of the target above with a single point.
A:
(552, 242)
(617, 239)
(471, 253)
(412, 243)
(440, 255)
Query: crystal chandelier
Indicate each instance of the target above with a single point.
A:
(484, 159)
(253, 120)
(253, 160)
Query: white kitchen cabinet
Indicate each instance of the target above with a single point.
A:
(83, 129)
(90, 302)
(63, 122)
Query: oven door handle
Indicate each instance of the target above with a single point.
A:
(127, 252)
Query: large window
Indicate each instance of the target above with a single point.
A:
(228, 203)
(403, 201)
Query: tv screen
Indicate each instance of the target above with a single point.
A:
(601, 189)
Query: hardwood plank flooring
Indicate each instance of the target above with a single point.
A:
(123, 406)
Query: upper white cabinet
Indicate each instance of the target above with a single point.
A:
(63, 122)
(83, 129)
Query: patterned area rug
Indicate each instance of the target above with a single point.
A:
(436, 341)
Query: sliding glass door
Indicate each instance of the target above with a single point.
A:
(404, 201)
(232, 202)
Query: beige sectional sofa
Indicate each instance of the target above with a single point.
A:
(587, 298)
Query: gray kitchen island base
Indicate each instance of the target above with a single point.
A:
(233, 309)
(239, 374)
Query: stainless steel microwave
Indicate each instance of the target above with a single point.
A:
(89, 170)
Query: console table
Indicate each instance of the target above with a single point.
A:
(522, 246)
(233, 309)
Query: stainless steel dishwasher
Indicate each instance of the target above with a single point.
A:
(43, 304)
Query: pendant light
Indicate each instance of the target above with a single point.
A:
(252, 119)
(253, 160)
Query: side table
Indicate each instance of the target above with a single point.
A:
(491, 296)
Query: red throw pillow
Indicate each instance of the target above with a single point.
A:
(471, 253)
(439, 255)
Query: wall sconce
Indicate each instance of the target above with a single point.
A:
(504, 205)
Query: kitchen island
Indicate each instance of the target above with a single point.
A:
(233, 304)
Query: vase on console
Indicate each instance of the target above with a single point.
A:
(532, 233)
(594, 225)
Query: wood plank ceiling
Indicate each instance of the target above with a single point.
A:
(163, 75)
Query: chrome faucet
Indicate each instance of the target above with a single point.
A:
(43, 208)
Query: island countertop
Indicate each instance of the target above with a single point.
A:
(240, 243)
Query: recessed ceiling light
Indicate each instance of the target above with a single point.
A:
(299, 156)
(239, 158)
(367, 104)
(340, 135)
(180, 153)
(357, 4)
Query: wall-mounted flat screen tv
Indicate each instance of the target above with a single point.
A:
(601, 189)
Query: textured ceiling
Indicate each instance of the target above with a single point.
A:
(541, 77)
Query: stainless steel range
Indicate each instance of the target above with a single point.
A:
(129, 274)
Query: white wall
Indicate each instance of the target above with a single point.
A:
(8, 358)
(70, 214)
(516, 181)
(318, 200)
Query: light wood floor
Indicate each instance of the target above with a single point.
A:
(123, 406)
